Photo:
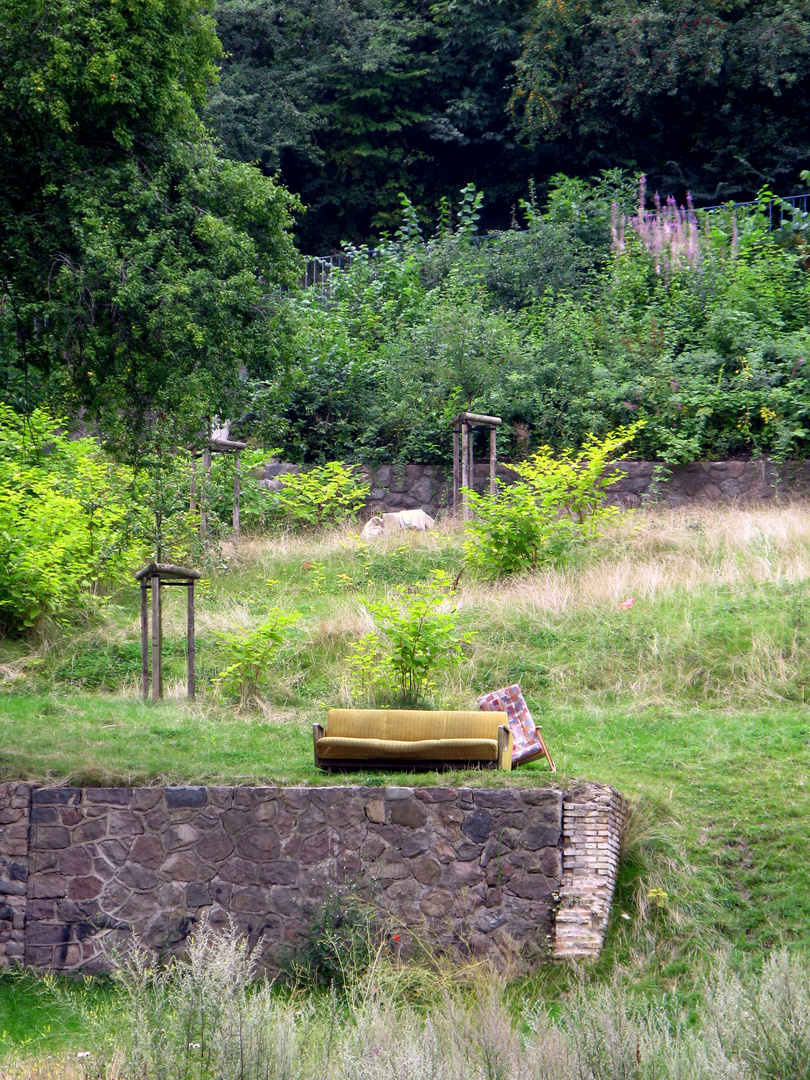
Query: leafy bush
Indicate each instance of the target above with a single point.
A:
(343, 935)
(556, 504)
(250, 653)
(416, 639)
(324, 495)
(65, 511)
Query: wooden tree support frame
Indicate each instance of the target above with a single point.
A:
(154, 577)
(219, 445)
(463, 463)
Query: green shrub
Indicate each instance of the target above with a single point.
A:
(416, 639)
(324, 495)
(342, 937)
(64, 516)
(556, 504)
(250, 654)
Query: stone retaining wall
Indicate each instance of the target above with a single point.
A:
(478, 870)
(15, 802)
(427, 487)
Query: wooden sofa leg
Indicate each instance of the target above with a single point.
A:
(317, 733)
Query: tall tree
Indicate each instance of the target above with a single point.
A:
(329, 92)
(141, 268)
(355, 101)
(710, 95)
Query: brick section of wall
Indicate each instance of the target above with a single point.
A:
(477, 870)
(593, 817)
(15, 799)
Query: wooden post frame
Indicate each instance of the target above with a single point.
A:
(157, 652)
(236, 493)
(192, 688)
(221, 445)
(463, 457)
(157, 576)
(465, 466)
(206, 464)
(456, 476)
(144, 642)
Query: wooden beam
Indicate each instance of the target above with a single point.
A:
(456, 470)
(190, 633)
(465, 473)
(206, 462)
(157, 686)
(236, 493)
(144, 644)
(492, 460)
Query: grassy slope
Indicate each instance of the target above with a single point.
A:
(691, 702)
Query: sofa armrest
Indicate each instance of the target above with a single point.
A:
(505, 745)
(317, 733)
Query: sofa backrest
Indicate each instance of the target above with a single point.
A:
(412, 725)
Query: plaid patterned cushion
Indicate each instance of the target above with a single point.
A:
(528, 740)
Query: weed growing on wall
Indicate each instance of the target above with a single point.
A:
(557, 504)
(343, 935)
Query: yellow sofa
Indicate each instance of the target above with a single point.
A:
(375, 738)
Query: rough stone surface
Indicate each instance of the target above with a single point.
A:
(429, 487)
(476, 870)
(15, 814)
(592, 822)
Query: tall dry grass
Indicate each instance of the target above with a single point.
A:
(204, 1019)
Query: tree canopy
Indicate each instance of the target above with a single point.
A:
(141, 268)
(710, 95)
(353, 101)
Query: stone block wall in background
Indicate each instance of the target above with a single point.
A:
(429, 488)
(478, 870)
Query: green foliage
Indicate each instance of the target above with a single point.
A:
(323, 495)
(712, 97)
(250, 654)
(140, 268)
(556, 504)
(416, 639)
(64, 516)
(354, 102)
(561, 331)
(342, 937)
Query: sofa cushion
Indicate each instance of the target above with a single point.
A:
(337, 748)
(412, 725)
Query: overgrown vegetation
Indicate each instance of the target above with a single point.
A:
(556, 504)
(355, 102)
(201, 1017)
(586, 321)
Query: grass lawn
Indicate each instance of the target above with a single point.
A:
(691, 702)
